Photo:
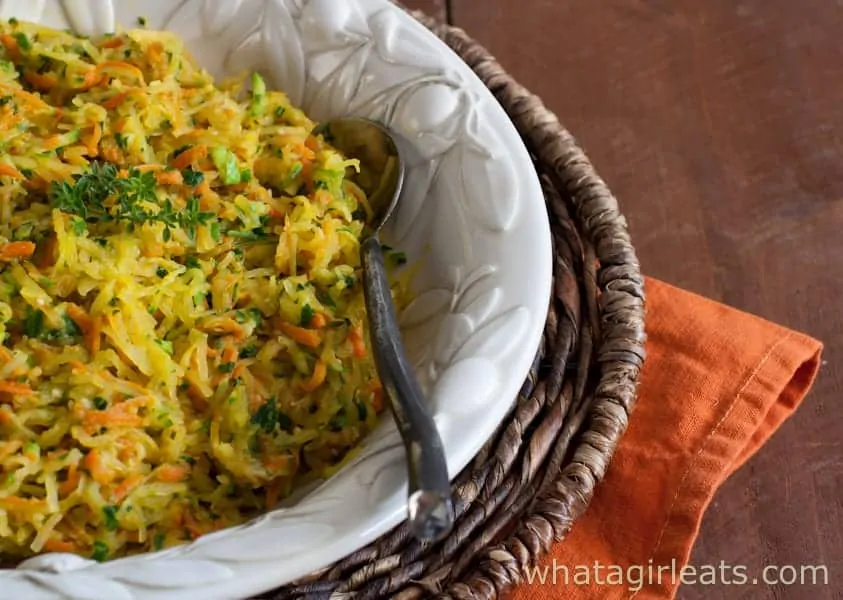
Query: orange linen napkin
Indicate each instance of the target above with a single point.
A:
(716, 385)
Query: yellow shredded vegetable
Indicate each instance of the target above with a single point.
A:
(183, 331)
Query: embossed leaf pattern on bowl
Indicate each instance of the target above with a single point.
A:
(468, 196)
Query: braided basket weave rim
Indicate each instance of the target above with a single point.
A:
(537, 475)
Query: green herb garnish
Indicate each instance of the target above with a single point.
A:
(22, 41)
(192, 178)
(307, 315)
(109, 513)
(100, 551)
(249, 351)
(33, 324)
(166, 346)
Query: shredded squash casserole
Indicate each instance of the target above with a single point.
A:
(183, 332)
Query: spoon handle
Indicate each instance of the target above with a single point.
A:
(431, 512)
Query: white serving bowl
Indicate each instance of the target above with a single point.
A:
(473, 214)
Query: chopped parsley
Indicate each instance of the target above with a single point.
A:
(268, 417)
(362, 411)
(339, 420)
(192, 178)
(100, 551)
(226, 367)
(109, 514)
(99, 403)
(249, 351)
(22, 41)
(33, 324)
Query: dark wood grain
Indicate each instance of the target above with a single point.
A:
(719, 125)
(435, 8)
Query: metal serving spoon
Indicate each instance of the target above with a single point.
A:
(382, 155)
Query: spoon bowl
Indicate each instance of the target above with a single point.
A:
(382, 155)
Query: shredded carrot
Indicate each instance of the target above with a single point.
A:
(78, 315)
(94, 140)
(313, 143)
(5, 417)
(192, 526)
(307, 155)
(377, 398)
(172, 473)
(222, 325)
(318, 321)
(52, 142)
(318, 376)
(69, 485)
(112, 42)
(92, 79)
(300, 335)
(91, 326)
(57, 545)
(7, 170)
(96, 419)
(11, 45)
(284, 463)
(355, 336)
(16, 389)
(16, 503)
(93, 337)
(189, 156)
(115, 100)
(126, 486)
(100, 473)
(40, 82)
(229, 354)
(14, 250)
(111, 153)
(169, 178)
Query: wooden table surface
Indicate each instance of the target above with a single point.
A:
(719, 126)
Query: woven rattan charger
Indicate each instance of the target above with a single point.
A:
(537, 475)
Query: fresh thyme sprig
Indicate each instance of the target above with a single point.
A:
(100, 196)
